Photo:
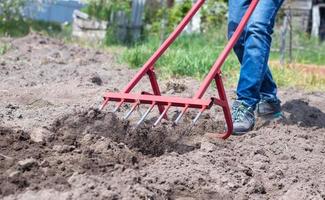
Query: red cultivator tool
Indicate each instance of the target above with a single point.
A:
(164, 103)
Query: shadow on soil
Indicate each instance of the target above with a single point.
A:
(304, 115)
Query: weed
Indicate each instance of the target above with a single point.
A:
(4, 48)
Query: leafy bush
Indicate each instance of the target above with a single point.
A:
(13, 24)
(106, 10)
(213, 14)
(11, 9)
(21, 27)
(102, 9)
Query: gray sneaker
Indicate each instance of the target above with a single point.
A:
(269, 109)
(243, 118)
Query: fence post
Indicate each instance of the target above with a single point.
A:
(284, 31)
(316, 21)
(121, 22)
(195, 25)
(136, 20)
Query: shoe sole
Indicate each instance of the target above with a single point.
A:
(243, 133)
(271, 116)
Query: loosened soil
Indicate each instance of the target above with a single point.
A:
(55, 144)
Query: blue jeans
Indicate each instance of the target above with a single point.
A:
(253, 49)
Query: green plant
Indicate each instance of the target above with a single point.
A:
(21, 27)
(10, 9)
(106, 10)
(13, 24)
(103, 9)
(4, 48)
(305, 48)
(193, 55)
(214, 14)
(190, 55)
(156, 15)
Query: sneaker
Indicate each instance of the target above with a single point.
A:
(243, 118)
(269, 109)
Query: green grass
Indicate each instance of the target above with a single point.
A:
(190, 55)
(20, 27)
(305, 49)
(4, 47)
(193, 55)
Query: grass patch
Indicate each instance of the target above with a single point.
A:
(193, 55)
(286, 76)
(21, 27)
(190, 55)
(305, 49)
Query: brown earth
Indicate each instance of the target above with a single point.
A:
(54, 144)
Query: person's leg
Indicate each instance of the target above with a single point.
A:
(254, 69)
(268, 89)
(269, 106)
(236, 12)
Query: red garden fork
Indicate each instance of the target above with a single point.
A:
(164, 103)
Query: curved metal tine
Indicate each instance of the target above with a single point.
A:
(135, 104)
(146, 114)
(181, 115)
(198, 116)
(162, 115)
(101, 107)
(118, 106)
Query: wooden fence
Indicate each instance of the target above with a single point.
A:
(129, 28)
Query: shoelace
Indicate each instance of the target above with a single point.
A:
(239, 113)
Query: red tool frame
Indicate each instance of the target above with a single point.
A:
(163, 102)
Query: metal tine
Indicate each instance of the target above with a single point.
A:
(101, 107)
(181, 115)
(198, 116)
(146, 113)
(118, 106)
(162, 114)
(135, 104)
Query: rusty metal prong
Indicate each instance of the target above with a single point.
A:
(162, 114)
(181, 114)
(198, 116)
(146, 114)
(118, 106)
(106, 100)
(135, 104)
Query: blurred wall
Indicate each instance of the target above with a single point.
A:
(59, 11)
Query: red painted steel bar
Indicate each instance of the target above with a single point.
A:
(220, 61)
(162, 100)
(185, 103)
(225, 108)
(150, 63)
(155, 87)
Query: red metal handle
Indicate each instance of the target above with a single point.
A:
(220, 61)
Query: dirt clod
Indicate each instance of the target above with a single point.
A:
(96, 80)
